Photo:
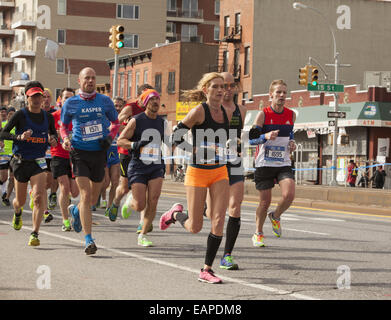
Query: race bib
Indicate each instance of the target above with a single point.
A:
(4, 159)
(212, 153)
(232, 155)
(42, 163)
(150, 152)
(274, 153)
(92, 130)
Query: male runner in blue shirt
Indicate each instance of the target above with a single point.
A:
(88, 111)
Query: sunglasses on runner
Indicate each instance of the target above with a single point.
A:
(229, 85)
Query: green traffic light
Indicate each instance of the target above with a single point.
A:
(120, 44)
(314, 83)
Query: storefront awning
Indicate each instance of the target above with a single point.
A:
(358, 114)
(367, 114)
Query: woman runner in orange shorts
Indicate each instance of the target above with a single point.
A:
(209, 126)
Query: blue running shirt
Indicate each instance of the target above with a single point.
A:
(90, 120)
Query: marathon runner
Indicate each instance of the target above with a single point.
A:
(272, 133)
(88, 112)
(34, 130)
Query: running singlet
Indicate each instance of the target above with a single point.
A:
(209, 148)
(7, 143)
(114, 146)
(236, 124)
(275, 153)
(151, 154)
(88, 120)
(59, 151)
(5, 155)
(35, 146)
(136, 109)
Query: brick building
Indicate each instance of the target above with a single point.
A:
(262, 40)
(81, 28)
(169, 67)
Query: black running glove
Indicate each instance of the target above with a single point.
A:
(105, 143)
(137, 145)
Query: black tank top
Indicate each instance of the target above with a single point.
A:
(149, 155)
(236, 124)
(209, 139)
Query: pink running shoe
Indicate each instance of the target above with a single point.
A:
(208, 276)
(167, 218)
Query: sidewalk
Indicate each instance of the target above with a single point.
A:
(357, 200)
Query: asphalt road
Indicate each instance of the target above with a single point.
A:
(321, 255)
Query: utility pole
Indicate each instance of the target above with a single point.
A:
(336, 65)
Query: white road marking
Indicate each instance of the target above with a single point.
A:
(177, 266)
(305, 231)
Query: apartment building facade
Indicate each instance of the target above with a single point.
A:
(81, 30)
(193, 21)
(268, 39)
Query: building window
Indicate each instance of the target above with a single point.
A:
(158, 82)
(62, 7)
(126, 11)
(246, 61)
(216, 33)
(171, 27)
(226, 25)
(171, 82)
(237, 22)
(137, 81)
(236, 62)
(61, 34)
(131, 41)
(190, 6)
(245, 97)
(145, 76)
(121, 84)
(189, 32)
(58, 92)
(129, 94)
(171, 5)
(60, 65)
(217, 7)
(225, 61)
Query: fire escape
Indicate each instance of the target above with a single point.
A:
(231, 35)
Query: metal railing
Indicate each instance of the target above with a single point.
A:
(22, 46)
(179, 13)
(179, 37)
(23, 16)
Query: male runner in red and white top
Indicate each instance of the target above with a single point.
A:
(61, 165)
(272, 133)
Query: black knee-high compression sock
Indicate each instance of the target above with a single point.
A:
(233, 227)
(212, 246)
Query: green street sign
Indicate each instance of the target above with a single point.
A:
(326, 87)
(343, 108)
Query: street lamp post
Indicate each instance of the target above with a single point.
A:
(336, 65)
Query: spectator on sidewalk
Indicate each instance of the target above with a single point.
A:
(364, 179)
(352, 173)
(378, 178)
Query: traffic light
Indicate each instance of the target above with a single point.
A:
(303, 76)
(314, 75)
(116, 38)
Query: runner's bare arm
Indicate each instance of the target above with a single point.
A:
(127, 134)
